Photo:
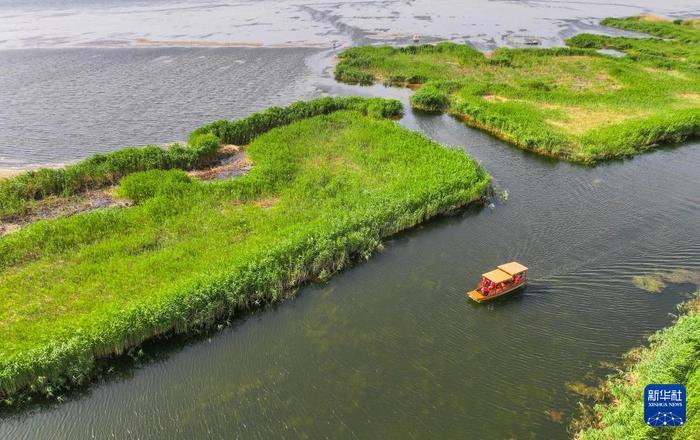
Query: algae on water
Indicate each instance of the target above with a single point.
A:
(656, 282)
(650, 283)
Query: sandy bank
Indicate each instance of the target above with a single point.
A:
(4, 174)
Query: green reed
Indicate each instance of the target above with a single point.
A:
(322, 193)
(573, 103)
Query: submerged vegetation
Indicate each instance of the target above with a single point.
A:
(573, 102)
(324, 189)
(650, 283)
(656, 282)
(672, 357)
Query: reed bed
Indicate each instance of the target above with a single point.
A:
(677, 45)
(323, 192)
(671, 357)
(573, 103)
(18, 194)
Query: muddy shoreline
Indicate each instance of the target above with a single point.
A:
(232, 162)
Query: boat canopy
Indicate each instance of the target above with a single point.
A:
(512, 268)
(497, 276)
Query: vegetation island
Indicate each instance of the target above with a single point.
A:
(319, 184)
(330, 179)
(574, 103)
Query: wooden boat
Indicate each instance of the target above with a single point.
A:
(501, 281)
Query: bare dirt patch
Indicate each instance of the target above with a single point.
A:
(670, 72)
(54, 207)
(582, 119)
(495, 98)
(5, 174)
(267, 202)
(233, 163)
(653, 18)
(692, 97)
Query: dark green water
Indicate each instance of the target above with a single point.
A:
(394, 349)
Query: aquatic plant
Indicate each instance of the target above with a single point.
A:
(17, 194)
(324, 190)
(429, 98)
(671, 357)
(656, 282)
(650, 283)
(570, 102)
(678, 44)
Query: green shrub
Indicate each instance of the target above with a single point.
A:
(242, 131)
(429, 98)
(149, 184)
(589, 41)
(352, 75)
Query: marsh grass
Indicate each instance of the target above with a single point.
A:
(323, 192)
(678, 42)
(572, 102)
(18, 194)
(672, 356)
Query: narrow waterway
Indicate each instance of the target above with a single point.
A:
(393, 348)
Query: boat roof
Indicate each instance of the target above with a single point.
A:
(512, 268)
(497, 276)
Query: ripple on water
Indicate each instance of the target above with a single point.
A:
(393, 347)
(70, 103)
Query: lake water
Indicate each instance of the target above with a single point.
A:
(391, 348)
(84, 76)
(65, 104)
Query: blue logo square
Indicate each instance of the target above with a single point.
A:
(664, 404)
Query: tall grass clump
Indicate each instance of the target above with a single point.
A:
(17, 194)
(430, 98)
(570, 102)
(323, 192)
(242, 131)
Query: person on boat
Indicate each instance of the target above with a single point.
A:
(516, 279)
(485, 290)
